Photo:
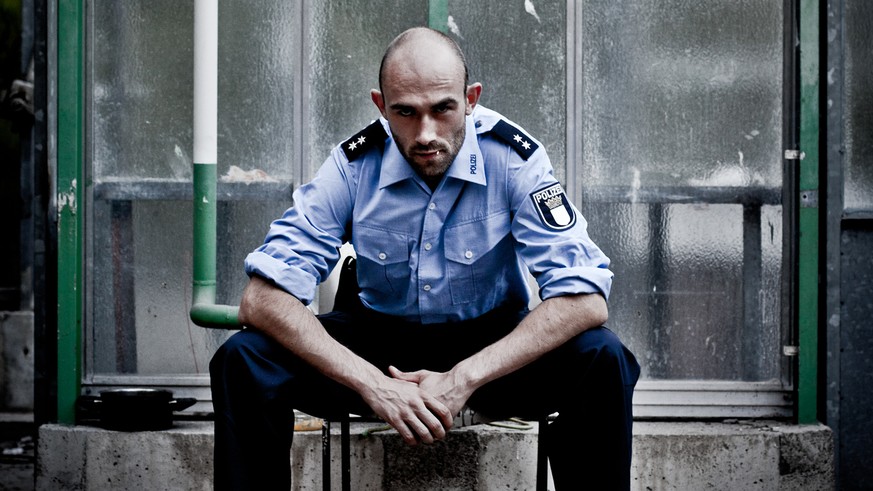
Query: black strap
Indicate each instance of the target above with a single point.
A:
(347, 291)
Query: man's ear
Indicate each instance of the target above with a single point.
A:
(474, 91)
(379, 101)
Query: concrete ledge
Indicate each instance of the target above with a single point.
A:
(667, 456)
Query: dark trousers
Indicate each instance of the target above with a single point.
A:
(588, 381)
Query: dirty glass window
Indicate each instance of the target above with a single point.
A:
(139, 247)
(858, 179)
(663, 119)
(679, 108)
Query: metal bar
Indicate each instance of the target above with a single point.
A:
(667, 195)
(542, 454)
(753, 324)
(835, 215)
(790, 188)
(168, 190)
(808, 265)
(70, 151)
(345, 445)
(123, 294)
(44, 230)
(325, 455)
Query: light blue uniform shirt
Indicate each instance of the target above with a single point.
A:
(436, 256)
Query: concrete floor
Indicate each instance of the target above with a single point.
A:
(17, 434)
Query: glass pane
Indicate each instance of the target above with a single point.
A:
(681, 295)
(142, 282)
(681, 93)
(258, 73)
(858, 178)
(344, 56)
(140, 229)
(680, 179)
(141, 92)
(520, 62)
(142, 88)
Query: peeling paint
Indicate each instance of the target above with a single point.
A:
(529, 8)
(67, 200)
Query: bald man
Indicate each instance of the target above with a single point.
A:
(449, 206)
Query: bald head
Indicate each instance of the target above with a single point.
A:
(423, 45)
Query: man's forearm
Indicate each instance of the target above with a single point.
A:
(284, 318)
(548, 326)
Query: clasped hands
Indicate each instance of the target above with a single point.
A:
(420, 405)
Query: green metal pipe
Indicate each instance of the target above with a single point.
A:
(70, 159)
(809, 217)
(204, 311)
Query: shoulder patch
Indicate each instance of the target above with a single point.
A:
(553, 207)
(516, 138)
(364, 140)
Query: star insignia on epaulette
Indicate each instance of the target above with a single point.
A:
(523, 144)
(364, 140)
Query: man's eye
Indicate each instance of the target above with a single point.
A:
(404, 112)
(441, 109)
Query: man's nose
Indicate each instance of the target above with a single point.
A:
(426, 133)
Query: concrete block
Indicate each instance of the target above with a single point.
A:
(16, 361)
(806, 458)
(739, 455)
(750, 455)
(480, 457)
(88, 458)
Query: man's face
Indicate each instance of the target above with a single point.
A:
(425, 106)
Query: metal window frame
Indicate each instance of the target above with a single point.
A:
(698, 399)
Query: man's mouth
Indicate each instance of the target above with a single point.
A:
(428, 153)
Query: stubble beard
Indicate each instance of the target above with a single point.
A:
(438, 166)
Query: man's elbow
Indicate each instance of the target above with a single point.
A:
(597, 308)
(253, 291)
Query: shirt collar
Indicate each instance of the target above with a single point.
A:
(467, 166)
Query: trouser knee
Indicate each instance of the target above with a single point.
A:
(235, 365)
(601, 351)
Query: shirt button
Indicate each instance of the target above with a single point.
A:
(431, 206)
(468, 254)
(382, 256)
(427, 288)
(427, 246)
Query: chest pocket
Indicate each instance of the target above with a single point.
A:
(383, 262)
(477, 253)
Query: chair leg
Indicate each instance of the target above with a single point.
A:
(346, 454)
(542, 455)
(325, 455)
(345, 443)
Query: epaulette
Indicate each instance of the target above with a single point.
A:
(364, 140)
(517, 139)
